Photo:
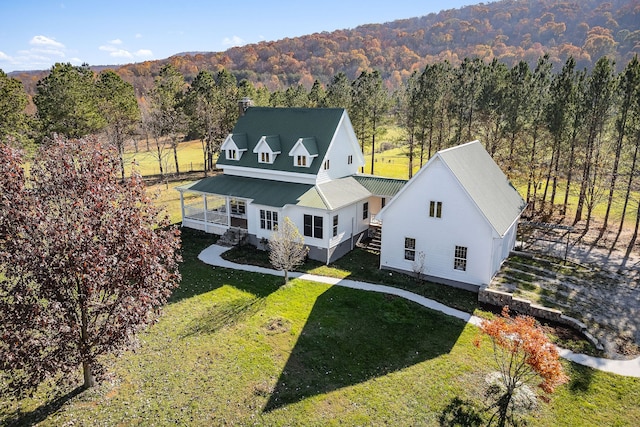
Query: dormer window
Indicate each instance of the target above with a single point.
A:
(267, 148)
(234, 145)
(303, 152)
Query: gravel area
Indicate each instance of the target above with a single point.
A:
(598, 285)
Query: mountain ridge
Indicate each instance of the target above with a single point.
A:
(508, 30)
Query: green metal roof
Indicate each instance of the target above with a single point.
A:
(273, 141)
(379, 185)
(240, 139)
(290, 124)
(327, 196)
(261, 191)
(310, 145)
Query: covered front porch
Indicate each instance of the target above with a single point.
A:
(212, 213)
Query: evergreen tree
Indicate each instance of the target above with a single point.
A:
(14, 122)
(67, 102)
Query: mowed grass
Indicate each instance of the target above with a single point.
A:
(236, 348)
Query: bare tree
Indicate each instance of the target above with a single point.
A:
(286, 248)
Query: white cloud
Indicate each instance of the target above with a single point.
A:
(4, 56)
(138, 36)
(45, 41)
(146, 53)
(233, 41)
(115, 52)
(116, 41)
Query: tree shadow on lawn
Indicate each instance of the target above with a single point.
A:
(352, 336)
(42, 412)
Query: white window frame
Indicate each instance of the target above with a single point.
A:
(268, 220)
(410, 248)
(460, 258)
(435, 209)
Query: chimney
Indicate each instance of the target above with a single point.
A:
(243, 104)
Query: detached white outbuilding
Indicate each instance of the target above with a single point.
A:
(454, 222)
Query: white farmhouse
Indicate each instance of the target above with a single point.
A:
(454, 222)
(300, 163)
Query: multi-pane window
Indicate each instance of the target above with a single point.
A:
(335, 225)
(265, 157)
(237, 207)
(301, 160)
(350, 159)
(313, 226)
(326, 164)
(410, 248)
(365, 210)
(460, 258)
(232, 154)
(435, 209)
(268, 220)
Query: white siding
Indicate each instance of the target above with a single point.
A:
(461, 224)
(343, 145)
(298, 178)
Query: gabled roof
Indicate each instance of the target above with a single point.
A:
(342, 192)
(309, 144)
(488, 187)
(483, 181)
(271, 141)
(289, 124)
(239, 139)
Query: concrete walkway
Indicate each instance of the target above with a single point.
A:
(211, 256)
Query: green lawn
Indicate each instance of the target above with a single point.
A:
(236, 348)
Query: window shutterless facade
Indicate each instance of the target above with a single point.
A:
(460, 258)
(365, 210)
(268, 220)
(410, 248)
(335, 225)
(435, 209)
(237, 207)
(312, 226)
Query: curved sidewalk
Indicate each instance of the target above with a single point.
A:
(212, 256)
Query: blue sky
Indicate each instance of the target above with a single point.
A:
(35, 34)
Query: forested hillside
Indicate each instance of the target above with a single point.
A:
(509, 30)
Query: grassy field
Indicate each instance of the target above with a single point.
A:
(235, 348)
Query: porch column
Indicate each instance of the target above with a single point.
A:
(227, 204)
(204, 203)
(182, 206)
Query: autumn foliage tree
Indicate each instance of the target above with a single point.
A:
(524, 355)
(85, 261)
